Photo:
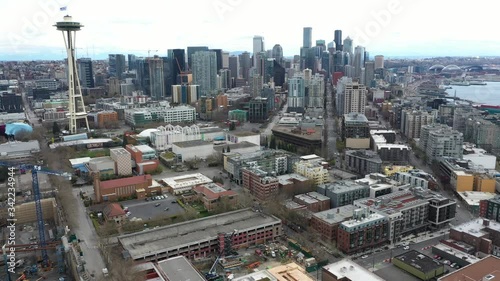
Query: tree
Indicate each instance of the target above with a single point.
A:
(272, 143)
(55, 128)
(232, 126)
(228, 149)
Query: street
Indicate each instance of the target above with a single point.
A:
(274, 121)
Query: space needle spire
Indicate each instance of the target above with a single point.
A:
(76, 106)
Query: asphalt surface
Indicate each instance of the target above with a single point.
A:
(139, 208)
(274, 121)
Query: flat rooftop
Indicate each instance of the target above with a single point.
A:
(240, 145)
(459, 254)
(392, 146)
(288, 178)
(79, 161)
(337, 215)
(476, 227)
(291, 271)
(186, 180)
(393, 202)
(342, 186)
(355, 118)
(160, 240)
(474, 197)
(291, 205)
(145, 148)
(488, 267)
(119, 151)
(242, 133)
(262, 275)
(371, 218)
(311, 157)
(192, 143)
(307, 134)
(179, 269)
(346, 268)
(418, 261)
(377, 132)
(18, 147)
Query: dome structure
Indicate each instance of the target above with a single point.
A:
(451, 69)
(147, 133)
(436, 68)
(16, 128)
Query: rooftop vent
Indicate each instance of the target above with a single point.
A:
(488, 277)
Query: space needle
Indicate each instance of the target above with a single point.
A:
(76, 106)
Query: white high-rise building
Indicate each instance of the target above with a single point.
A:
(296, 92)
(258, 46)
(351, 97)
(316, 91)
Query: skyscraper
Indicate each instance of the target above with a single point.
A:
(218, 53)
(245, 64)
(131, 62)
(85, 73)
(277, 53)
(347, 47)
(234, 66)
(379, 61)
(369, 73)
(359, 60)
(338, 40)
(191, 51)
(296, 94)
(351, 97)
(116, 65)
(205, 72)
(307, 37)
(178, 61)
(151, 77)
(258, 46)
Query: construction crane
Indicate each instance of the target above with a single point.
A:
(35, 169)
(212, 275)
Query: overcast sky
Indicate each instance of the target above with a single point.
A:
(388, 27)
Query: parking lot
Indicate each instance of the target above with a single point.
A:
(140, 208)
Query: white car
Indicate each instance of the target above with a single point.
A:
(364, 257)
(406, 247)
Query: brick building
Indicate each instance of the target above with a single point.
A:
(314, 201)
(259, 183)
(326, 223)
(112, 190)
(212, 194)
(107, 119)
(482, 234)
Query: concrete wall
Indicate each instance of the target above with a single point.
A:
(357, 143)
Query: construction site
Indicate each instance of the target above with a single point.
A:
(35, 243)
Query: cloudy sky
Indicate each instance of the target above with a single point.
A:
(388, 27)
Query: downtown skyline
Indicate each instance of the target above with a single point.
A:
(394, 28)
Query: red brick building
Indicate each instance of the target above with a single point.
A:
(211, 194)
(114, 212)
(314, 201)
(326, 223)
(482, 234)
(143, 163)
(112, 190)
(364, 231)
(262, 186)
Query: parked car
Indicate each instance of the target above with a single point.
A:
(364, 257)
(453, 265)
(157, 204)
(174, 202)
(406, 247)
(166, 209)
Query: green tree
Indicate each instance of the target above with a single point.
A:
(232, 126)
(272, 143)
(228, 149)
(4, 174)
(55, 128)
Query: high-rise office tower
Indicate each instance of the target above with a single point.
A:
(379, 61)
(279, 74)
(307, 37)
(369, 73)
(319, 48)
(76, 106)
(347, 47)
(277, 53)
(325, 62)
(151, 77)
(260, 59)
(245, 65)
(178, 61)
(367, 55)
(258, 46)
(225, 60)
(338, 61)
(192, 50)
(85, 73)
(224, 79)
(218, 53)
(116, 65)
(205, 72)
(359, 60)
(338, 40)
(234, 66)
(131, 62)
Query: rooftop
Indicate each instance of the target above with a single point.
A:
(352, 271)
(288, 178)
(336, 215)
(213, 190)
(291, 205)
(459, 254)
(119, 151)
(17, 147)
(124, 182)
(380, 132)
(355, 118)
(392, 146)
(79, 161)
(186, 180)
(291, 271)
(113, 210)
(311, 157)
(365, 154)
(242, 133)
(145, 149)
(157, 241)
(393, 202)
(102, 159)
(476, 227)
(240, 145)
(342, 186)
(310, 134)
(262, 275)
(371, 218)
(192, 143)
(179, 269)
(487, 269)
(474, 197)
(418, 261)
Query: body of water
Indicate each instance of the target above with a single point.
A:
(487, 94)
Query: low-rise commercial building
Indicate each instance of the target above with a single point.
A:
(355, 131)
(380, 184)
(306, 140)
(294, 183)
(138, 117)
(313, 171)
(464, 177)
(314, 201)
(419, 265)
(113, 190)
(194, 149)
(104, 165)
(347, 270)
(486, 269)
(202, 237)
(454, 255)
(473, 201)
(185, 183)
(213, 194)
(482, 234)
(490, 208)
(241, 136)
